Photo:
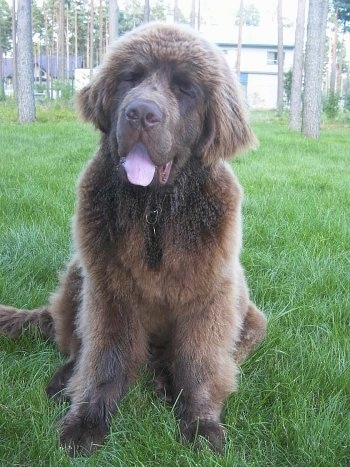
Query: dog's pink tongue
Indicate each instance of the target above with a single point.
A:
(139, 167)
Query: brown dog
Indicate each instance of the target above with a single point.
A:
(156, 277)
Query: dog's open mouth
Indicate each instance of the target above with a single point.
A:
(140, 170)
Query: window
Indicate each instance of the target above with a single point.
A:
(271, 57)
(243, 79)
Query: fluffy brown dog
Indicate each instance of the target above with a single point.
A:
(156, 278)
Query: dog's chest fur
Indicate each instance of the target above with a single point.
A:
(149, 223)
(153, 241)
(183, 218)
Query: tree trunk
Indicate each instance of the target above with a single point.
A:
(339, 85)
(193, 14)
(314, 59)
(113, 14)
(25, 63)
(297, 76)
(2, 87)
(91, 38)
(146, 12)
(76, 35)
(67, 61)
(100, 33)
(239, 41)
(333, 57)
(48, 55)
(176, 11)
(14, 47)
(279, 59)
(199, 15)
(61, 51)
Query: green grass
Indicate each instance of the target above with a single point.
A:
(293, 405)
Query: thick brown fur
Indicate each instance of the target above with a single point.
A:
(156, 277)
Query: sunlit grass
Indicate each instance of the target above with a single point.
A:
(293, 405)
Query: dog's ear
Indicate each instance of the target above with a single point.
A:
(226, 128)
(97, 100)
(92, 103)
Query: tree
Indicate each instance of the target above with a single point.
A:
(38, 22)
(14, 49)
(314, 58)
(287, 84)
(25, 62)
(159, 11)
(91, 37)
(100, 32)
(199, 15)
(131, 16)
(193, 14)
(333, 50)
(279, 58)
(298, 65)
(343, 7)
(5, 36)
(113, 13)
(146, 12)
(5, 26)
(340, 23)
(61, 24)
(176, 11)
(2, 79)
(239, 41)
(250, 16)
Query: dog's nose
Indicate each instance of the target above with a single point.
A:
(143, 113)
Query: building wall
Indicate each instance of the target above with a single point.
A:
(256, 60)
(261, 91)
(259, 73)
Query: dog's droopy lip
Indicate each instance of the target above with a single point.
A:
(140, 169)
(164, 172)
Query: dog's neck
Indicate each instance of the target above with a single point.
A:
(179, 207)
(153, 230)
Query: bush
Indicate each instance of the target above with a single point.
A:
(63, 89)
(346, 103)
(331, 105)
(287, 85)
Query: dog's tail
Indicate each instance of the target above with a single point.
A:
(14, 321)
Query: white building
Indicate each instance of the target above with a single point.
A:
(258, 59)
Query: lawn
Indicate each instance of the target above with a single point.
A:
(293, 405)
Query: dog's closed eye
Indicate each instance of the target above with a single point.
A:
(133, 78)
(185, 87)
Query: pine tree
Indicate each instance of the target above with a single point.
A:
(314, 60)
(25, 63)
(298, 66)
(279, 59)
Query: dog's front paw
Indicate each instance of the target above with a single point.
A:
(208, 429)
(81, 436)
(56, 388)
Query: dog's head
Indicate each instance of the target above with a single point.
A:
(162, 95)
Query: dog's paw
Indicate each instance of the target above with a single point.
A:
(81, 436)
(57, 393)
(208, 429)
(162, 388)
(55, 390)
